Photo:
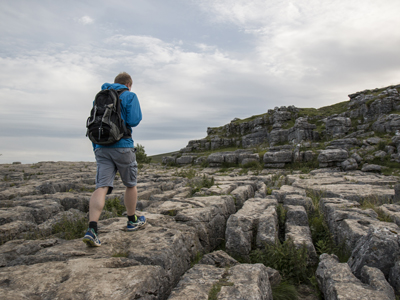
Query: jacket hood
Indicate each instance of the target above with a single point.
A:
(114, 86)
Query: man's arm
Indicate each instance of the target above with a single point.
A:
(133, 111)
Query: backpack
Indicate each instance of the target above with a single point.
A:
(105, 125)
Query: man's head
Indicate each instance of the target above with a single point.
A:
(125, 79)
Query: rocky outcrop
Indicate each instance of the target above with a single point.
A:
(294, 137)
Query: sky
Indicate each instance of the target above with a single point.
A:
(194, 64)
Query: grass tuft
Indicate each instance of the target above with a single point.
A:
(199, 183)
(216, 288)
(120, 254)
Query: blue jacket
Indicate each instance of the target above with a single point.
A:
(130, 113)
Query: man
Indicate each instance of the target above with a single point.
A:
(118, 156)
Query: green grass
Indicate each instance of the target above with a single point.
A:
(208, 152)
(371, 203)
(320, 234)
(120, 254)
(196, 259)
(158, 157)
(324, 111)
(284, 291)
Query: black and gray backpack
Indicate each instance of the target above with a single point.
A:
(105, 125)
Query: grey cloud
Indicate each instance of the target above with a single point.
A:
(192, 67)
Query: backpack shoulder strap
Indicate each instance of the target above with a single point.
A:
(127, 132)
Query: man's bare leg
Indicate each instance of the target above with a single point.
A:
(130, 200)
(96, 203)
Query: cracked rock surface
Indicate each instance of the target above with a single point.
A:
(178, 255)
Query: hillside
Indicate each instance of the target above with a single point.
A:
(364, 127)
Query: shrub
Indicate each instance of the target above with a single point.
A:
(70, 228)
(290, 261)
(381, 145)
(141, 156)
(114, 206)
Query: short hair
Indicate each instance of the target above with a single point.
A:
(123, 78)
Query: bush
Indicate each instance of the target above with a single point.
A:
(114, 206)
(290, 261)
(141, 156)
(70, 228)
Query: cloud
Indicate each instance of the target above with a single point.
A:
(192, 68)
(85, 20)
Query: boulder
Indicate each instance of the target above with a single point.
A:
(336, 281)
(168, 160)
(256, 220)
(242, 193)
(379, 249)
(184, 160)
(337, 126)
(302, 131)
(346, 143)
(278, 157)
(247, 279)
(371, 168)
(349, 164)
(332, 157)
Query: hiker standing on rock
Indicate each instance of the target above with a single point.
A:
(115, 111)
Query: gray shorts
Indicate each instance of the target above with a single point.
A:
(109, 160)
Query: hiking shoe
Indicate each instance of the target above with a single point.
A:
(91, 238)
(140, 222)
